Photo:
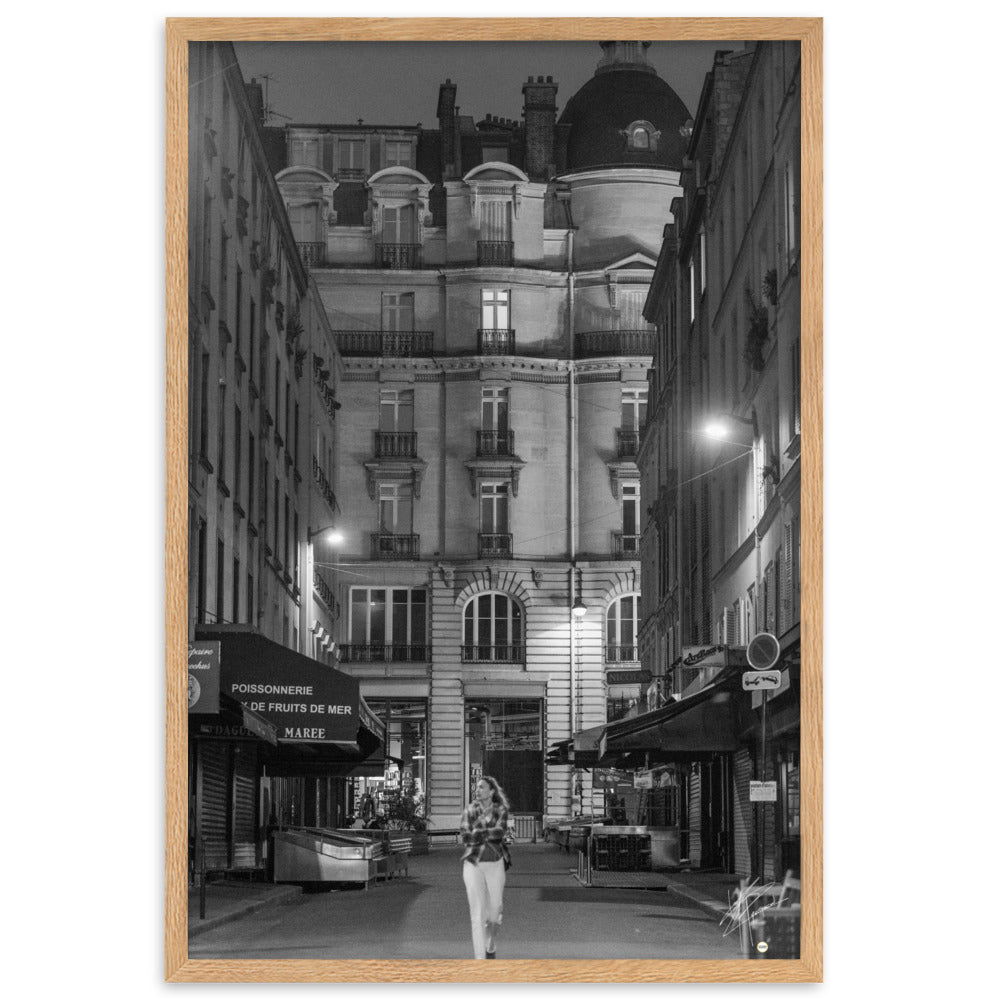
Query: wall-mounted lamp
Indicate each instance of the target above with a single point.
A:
(331, 534)
(579, 608)
(720, 427)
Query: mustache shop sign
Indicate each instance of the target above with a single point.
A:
(203, 677)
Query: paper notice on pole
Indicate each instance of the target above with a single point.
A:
(763, 791)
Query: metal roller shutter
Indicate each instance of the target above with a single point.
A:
(742, 813)
(244, 806)
(214, 805)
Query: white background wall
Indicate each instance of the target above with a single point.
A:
(85, 663)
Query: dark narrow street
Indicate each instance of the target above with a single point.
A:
(547, 914)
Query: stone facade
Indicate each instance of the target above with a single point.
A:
(720, 555)
(486, 297)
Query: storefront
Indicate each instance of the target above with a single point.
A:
(503, 738)
(273, 738)
(688, 748)
(391, 786)
(716, 743)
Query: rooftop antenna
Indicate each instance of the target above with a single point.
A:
(269, 112)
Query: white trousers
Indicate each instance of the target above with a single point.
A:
(484, 884)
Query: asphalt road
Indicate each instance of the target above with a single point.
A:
(547, 914)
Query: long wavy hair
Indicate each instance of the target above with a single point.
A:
(499, 799)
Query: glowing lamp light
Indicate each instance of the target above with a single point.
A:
(579, 608)
(331, 535)
(717, 430)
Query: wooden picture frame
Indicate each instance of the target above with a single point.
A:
(180, 31)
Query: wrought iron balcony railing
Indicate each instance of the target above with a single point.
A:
(393, 653)
(496, 341)
(390, 546)
(385, 343)
(312, 254)
(495, 545)
(620, 343)
(494, 443)
(621, 654)
(494, 253)
(395, 444)
(324, 486)
(397, 256)
(325, 593)
(628, 443)
(624, 546)
(510, 653)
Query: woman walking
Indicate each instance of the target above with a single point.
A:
(487, 828)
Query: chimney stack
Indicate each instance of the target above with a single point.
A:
(255, 95)
(446, 114)
(539, 127)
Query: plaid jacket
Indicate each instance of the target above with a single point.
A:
(486, 832)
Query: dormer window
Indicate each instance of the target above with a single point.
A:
(641, 136)
(398, 154)
(398, 213)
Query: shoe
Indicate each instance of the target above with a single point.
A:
(491, 954)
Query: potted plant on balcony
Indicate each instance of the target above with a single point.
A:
(753, 352)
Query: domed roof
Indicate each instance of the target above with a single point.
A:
(625, 91)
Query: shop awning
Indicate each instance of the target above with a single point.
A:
(316, 711)
(233, 721)
(580, 749)
(708, 721)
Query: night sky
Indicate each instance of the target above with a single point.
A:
(396, 83)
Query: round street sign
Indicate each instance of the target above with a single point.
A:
(763, 651)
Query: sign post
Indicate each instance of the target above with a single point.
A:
(763, 652)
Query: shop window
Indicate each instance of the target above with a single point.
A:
(790, 796)
(397, 797)
(493, 630)
(503, 739)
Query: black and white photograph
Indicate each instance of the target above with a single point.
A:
(495, 442)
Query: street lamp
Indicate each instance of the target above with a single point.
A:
(331, 534)
(720, 426)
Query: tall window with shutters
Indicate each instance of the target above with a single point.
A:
(397, 311)
(495, 308)
(351, 159)
(494, 509)
(628, 309)
(494, 221)
(495, 245)
(395, 509)
(398, 153)
(622, 630)
(398, 224)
